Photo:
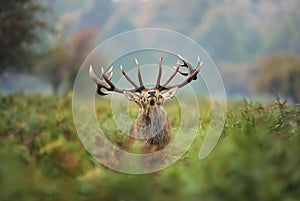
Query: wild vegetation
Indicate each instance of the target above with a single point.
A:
(42, 158)
(256, 45)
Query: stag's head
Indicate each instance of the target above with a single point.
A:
(150, 97)
(147, 97)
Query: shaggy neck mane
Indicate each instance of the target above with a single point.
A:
(152, 120)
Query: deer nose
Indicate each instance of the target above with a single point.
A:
(151, 93)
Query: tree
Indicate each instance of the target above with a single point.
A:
(62, 61)
(280, 72)
(20, 21)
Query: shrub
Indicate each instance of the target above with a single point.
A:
(43, 159)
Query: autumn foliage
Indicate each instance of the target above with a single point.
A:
(280, 73)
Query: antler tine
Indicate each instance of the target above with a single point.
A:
(109, 86)
(179, 71)
(107, 80)
(96, 79)
(185, 63)
(190, 75)
(128, 78)
(199, 62)
(139, 75)
(159, 73)
(105, 83)
(110, 73)
(172, 76)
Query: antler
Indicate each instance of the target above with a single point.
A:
(109, 86)
(191, 74)
(106, 83)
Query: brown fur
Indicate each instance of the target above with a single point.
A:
(152, 124)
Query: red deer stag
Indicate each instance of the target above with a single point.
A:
(152, 123)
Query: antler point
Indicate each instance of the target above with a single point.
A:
(91, 69)
(180, 57)
(110, 69)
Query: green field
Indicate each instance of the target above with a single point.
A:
(42, 158)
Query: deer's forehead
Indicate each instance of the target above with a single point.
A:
(147, 90)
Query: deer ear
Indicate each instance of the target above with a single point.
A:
(132, 96)
(170, 93)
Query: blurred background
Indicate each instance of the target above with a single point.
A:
(254, 43)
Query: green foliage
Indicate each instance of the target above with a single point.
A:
(20, 22)
(43, 159)
(258, 158)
